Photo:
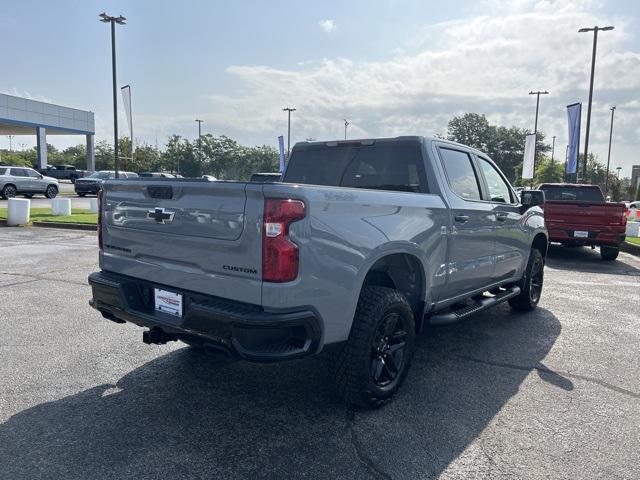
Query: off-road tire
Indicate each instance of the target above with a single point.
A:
(533, 275)
(353, 365)
(609, 253)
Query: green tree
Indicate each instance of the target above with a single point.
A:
(104, 156)
(504, 145)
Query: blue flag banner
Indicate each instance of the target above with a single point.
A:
(281, 149)
(574, 112)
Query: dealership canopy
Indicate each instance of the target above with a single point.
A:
(23, 116)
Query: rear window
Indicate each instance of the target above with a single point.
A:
(572, 194)
(379, 167)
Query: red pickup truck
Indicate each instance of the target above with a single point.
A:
(578, 215)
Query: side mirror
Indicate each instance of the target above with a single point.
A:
(531, 198)
(41, 176)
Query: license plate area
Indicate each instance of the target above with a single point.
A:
(580, 234)
(168, 302)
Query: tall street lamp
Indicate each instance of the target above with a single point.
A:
(199, 139)
(606, 181)
(346, 124)
(535, 127)
(553, 148)
(288, 110)
(595, 31)
(120, 20)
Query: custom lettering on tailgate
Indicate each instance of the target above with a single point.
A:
(233, 268)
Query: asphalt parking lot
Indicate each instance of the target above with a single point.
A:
(549, 394)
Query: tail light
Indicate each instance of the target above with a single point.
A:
(279, 253)
(100, 218)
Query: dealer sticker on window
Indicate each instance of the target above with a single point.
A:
(168, 302)
(580, 234)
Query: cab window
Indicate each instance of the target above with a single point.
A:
(460, 173)
(499, 190)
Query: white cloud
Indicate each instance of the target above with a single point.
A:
(486, 64)
(327, 26)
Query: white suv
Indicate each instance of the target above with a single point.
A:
(25, 181)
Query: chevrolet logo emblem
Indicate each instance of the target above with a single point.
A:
(160, 215)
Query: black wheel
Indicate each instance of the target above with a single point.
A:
(51, 191)
(531, 284)
(28, 195)
(9, 191)
(609, 253)
(81, 194)
(374, 362)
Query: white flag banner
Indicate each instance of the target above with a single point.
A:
(529, 152)
(126, 99)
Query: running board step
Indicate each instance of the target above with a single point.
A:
(478, 305)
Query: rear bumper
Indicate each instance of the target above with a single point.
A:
(239, 329)
(595, 236)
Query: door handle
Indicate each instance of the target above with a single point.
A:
(461, 218)
(501, 217)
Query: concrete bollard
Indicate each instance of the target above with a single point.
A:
(93, 205)
(61, 206)
(19, 210)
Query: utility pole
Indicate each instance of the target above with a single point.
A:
(346, 124)
(535, 127)
(199, 141)
(553, 148)
(595, 31)
(120, 20)
(288, 110)
(606, 180)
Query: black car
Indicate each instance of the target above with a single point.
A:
(93, 182)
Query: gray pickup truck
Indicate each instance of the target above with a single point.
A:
(361, 245)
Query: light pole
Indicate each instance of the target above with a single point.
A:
(120, 20)
(606, 180)
(346, 124)
(199, 141)
(595, 31)
(535, 127)
(553, 148)
(288, 110)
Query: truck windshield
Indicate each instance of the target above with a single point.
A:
(380, 167)
(572, 194)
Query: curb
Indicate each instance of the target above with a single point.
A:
(630, 248)
(66, 226)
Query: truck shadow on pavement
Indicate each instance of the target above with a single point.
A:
(584, 259)
(188, 415)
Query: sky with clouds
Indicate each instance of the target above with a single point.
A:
(391, 67)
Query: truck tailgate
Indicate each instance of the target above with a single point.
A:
(595, 215)
(185, 234)
(585, 223)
